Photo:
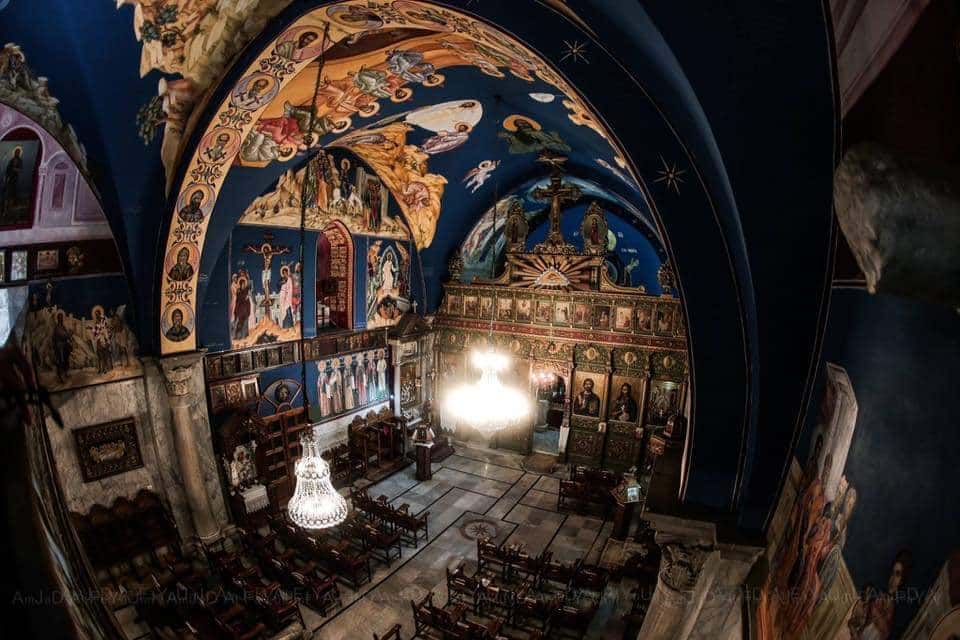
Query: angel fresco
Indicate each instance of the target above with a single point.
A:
(446, 140)
(286, 132)
(477, 176)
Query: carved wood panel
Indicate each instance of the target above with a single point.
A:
(622, 448)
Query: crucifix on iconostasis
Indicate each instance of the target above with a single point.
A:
(559, 194)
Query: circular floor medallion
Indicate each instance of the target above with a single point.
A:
(479, 528)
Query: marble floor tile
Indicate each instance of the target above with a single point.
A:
(469, 482)
(596, 551)
(499, 457)
(484, 469)
(394, 485)
(548, 484)
(535, 527)
(575, 538)
(422, 495)
(511, 497)
(540, 500)
(450, 507)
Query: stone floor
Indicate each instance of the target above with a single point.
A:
(473, 492)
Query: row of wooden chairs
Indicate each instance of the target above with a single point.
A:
(412, 528)
(337, 557)
(378, 437)
(452, 621)
(302, 576)
(377, 538)
(588, 490)
(276, 606)
(126, 529)
(347, 464)
(512, 561)
(192, 601)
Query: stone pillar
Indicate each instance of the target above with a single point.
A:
(181, 373)
(699, 587)
(682, 586)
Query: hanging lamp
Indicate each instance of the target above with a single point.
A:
(315, 503)
(488, 404)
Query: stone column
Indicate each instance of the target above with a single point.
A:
(180, 374)
(687, 566)
(682, 586)
(699, 587)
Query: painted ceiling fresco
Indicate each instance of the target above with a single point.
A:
(378, 57)
(338, 187)
(194, 41)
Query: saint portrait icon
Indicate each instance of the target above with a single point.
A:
(587, 402)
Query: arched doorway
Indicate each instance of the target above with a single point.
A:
(334, 278)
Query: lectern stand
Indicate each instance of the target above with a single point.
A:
(424, 470)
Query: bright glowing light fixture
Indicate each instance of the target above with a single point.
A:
(315, 503)
(488, 404)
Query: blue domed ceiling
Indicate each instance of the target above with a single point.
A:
(723, 115)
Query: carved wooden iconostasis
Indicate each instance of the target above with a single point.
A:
(620, 354)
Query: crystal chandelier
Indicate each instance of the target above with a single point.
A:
(488, 405)
(315, 503)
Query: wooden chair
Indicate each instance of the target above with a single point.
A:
(460, 586)
(559, 573)
(490, 556)
(573, 622)
(536, 612)
(384, 545)
(499, 601)
(364, 441)
(393, 634)
(526, 566)
(471, 630)
(591, 578)
(320, 592)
